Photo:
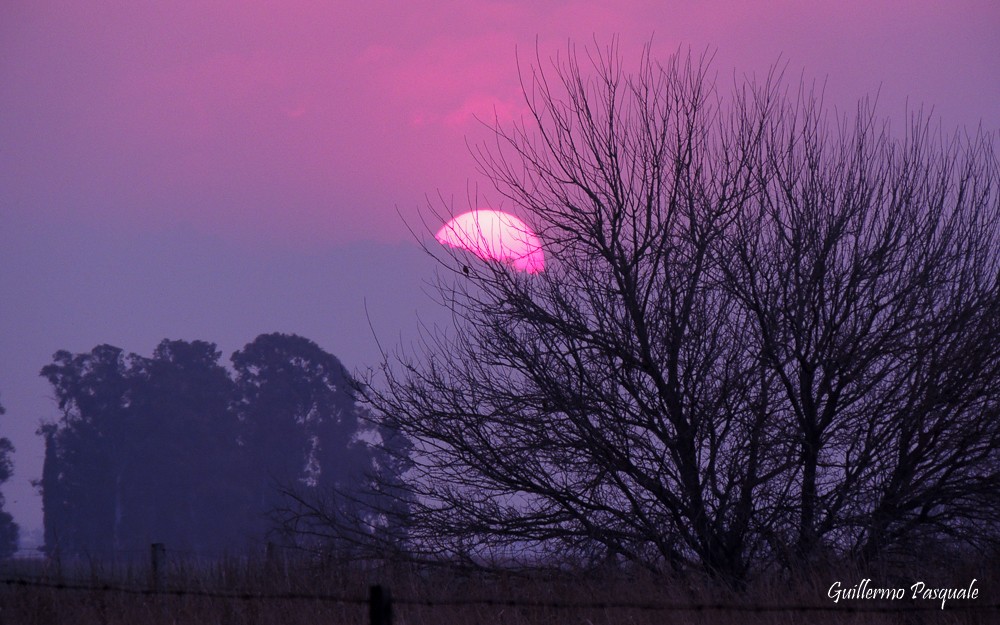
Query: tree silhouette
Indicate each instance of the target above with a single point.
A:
(298, 420)
(172, 449)
(8, 528)
(144, 451)
(763, 336)
(87, 455)
(185, 481)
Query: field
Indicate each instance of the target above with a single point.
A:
(308, 591)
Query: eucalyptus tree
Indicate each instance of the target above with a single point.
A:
(9, 530)
(143, 452)
(87, 452)
(171, 448)
(298, 423)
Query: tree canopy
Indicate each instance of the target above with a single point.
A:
(173, 448)
(765, 334)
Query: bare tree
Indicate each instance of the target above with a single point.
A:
(869, 266)
(761, 333)
(603, 407)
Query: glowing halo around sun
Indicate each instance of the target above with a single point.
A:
(497, 236)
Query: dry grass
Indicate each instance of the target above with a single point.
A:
(284, 586)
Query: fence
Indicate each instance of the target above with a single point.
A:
(380, 602)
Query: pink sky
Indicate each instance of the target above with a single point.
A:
(316, 120)
(214, 169)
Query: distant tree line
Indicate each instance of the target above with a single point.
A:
(174, 448)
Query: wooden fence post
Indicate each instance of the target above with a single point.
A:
(271, 556)
(58, 564)
(379, 606)
(157, 566)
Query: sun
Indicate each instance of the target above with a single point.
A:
(495, 236)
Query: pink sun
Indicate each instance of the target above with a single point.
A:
(495, 235)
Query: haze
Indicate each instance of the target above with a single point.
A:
(214, 170)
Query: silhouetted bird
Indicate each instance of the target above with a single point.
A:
(465, 269)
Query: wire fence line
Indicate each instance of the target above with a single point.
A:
(379, 598)
(180, 592)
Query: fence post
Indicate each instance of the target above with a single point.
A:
(58, 563)
(379, 605)
(270, 555)
(157, 565)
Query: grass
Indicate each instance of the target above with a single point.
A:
(252, 590)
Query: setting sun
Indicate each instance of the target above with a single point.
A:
(495, 235)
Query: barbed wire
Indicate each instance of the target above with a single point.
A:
(182, 592)
(688, 607)
(506, 603)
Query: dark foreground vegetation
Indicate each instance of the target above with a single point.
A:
(310, 590)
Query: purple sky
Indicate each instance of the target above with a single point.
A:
(214, 170)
